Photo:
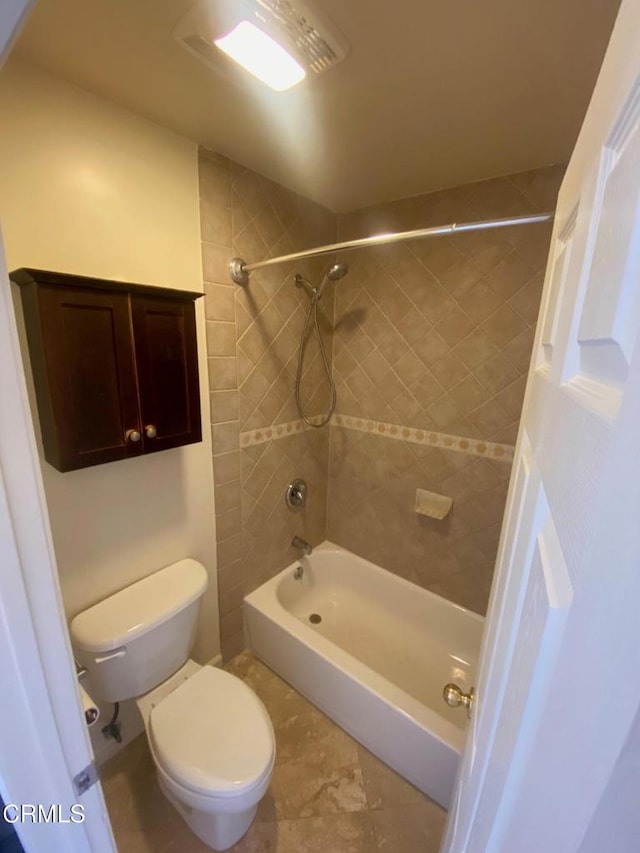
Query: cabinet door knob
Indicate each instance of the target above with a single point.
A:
(132, 435)
(150, 431)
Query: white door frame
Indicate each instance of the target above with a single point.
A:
(45, 742)
(13, 14)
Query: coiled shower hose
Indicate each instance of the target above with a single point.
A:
(313, 313)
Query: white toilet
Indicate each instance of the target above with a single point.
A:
(210, 736)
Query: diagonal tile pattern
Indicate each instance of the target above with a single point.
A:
(253, 337)
(431, 335)
(437, 334)
(268, 524)
(373, 484)
(268, 220)
(327, 792)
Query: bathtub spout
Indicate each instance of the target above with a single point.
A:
(301, 545)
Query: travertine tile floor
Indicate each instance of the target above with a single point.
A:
(328, 794)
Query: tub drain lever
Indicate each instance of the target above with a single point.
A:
(454, 697)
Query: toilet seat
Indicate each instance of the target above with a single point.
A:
(213, 736)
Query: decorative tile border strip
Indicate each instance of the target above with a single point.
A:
(457, 443)
(259, 436)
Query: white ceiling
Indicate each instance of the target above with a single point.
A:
(431, 95)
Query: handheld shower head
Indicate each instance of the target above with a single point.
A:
(333, 274)
(336, 272)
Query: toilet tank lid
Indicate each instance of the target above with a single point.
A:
(138, 608)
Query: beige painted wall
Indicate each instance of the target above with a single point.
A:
(90, 188)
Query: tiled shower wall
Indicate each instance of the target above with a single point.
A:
(252, 340)
(435, 336)
(432, 342)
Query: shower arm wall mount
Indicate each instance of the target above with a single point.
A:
(239, 269)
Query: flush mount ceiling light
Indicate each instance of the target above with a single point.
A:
(262, 56)
(278, 41)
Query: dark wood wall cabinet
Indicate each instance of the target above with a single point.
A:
(115, 367)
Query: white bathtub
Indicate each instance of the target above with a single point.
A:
(376, 663)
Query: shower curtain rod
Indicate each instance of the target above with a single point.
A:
(240, 269)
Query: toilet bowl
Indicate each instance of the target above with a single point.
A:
(210, 736)
(214, 749)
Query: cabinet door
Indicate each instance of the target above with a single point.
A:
(164, 332)
(84, 374)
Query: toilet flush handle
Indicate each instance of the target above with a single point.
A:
(119, 653)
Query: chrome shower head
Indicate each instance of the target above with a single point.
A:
(337, 271)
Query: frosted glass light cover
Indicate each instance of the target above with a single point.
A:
(261, 56)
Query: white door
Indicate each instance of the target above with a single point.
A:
(559, 683)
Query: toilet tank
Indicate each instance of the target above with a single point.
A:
(136, 638)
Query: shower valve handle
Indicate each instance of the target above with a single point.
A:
(296, 494)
